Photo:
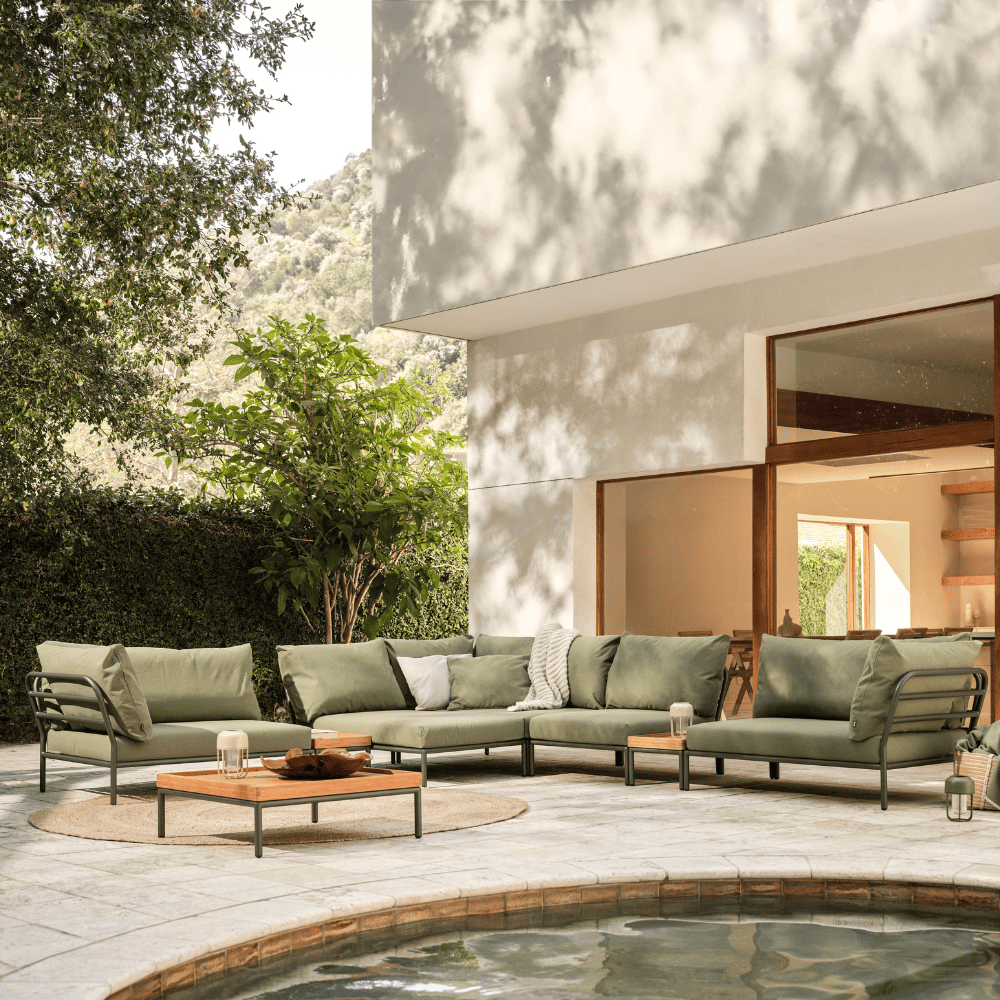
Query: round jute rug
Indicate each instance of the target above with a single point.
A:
(190, 821)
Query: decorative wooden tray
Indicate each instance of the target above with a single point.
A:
(309, 764)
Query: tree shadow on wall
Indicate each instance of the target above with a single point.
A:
(520, 145)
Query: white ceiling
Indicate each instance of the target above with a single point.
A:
(970, 209)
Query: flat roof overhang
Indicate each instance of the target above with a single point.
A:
(967, 210)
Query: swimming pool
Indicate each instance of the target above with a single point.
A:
(691, 950)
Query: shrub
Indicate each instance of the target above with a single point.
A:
(158, 570)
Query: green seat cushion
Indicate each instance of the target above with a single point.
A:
(808, 678)
(172, 740)
(188, 685)
(611, 726)
(590, 659)
(652, 672)
(112, 669)
(500, 645)
(487, 681)
(338, 677)
(887, 661)
(453, 645)
(816, 739)
(433, 730)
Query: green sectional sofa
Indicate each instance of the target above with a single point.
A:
(116, 706)
(852, 703)
(618, 686)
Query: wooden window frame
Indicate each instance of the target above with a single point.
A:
(851, 571)
(764, 479)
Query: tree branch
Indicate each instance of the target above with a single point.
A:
(24, 189)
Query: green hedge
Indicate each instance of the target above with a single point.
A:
(157, 570)
(819, 568)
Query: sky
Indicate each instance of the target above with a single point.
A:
(328, 81)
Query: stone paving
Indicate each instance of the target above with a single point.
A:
(82, 918)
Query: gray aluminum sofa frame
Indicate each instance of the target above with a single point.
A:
(45, 707)
(396, 752)
(977, 693)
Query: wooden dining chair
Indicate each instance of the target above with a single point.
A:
(863, 633)
(932, 631)
(741, 664)
(910, 633)
(698, 633)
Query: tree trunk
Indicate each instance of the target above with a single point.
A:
(328, 608)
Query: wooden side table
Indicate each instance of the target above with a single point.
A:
(659, 743)
(343, 741)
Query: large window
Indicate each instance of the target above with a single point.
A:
(887, 545)
(913, 371)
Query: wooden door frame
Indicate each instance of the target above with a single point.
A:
(601, 537)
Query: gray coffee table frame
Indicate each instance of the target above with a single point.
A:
(259, 807)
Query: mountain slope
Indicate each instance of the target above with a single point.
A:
(316, 260)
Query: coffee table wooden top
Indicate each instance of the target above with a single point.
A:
(321, 742)
(261, 785)
(658, 741)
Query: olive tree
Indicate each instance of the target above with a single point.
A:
(120, 219)
(359, 485)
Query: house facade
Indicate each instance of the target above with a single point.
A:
(620, 204)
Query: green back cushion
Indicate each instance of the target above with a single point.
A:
(494, 681)
(887, 661)
(652, 672)
(111, 667)
(808, 678)
(453, 645)
(590, 659)
(339, 678)
(196, 685)
(501, 645)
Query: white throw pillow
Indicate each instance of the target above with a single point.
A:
(428, 679)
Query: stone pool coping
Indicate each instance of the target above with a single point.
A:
(251, 954)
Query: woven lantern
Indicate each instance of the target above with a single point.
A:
(232, 750)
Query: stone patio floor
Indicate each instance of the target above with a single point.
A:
(84, 918)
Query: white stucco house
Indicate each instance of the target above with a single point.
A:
(618, 203)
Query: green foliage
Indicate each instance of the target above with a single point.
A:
(819, 568)
(156, 570)
(119, 219)
(357, 484)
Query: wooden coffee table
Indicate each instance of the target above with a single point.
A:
(345, 741)
(659, 743)
(262, 789)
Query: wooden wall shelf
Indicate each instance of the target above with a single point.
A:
(961, 534)
(984, 487)
(967, 581)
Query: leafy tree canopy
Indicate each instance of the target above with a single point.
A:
(119, 218)
(357, 482)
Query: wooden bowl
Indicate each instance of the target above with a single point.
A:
(310, 764)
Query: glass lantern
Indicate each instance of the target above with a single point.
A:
(232, 750)
(959, 790)
(681, 719)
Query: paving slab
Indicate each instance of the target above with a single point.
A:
(83, 918)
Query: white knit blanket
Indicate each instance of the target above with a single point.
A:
(548, 668)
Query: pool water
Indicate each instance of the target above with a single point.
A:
(704, 955)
